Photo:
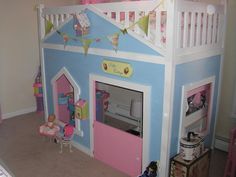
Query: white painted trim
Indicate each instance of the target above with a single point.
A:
(128, 5)
(171, 42)
(45, 103)
(18, 112)
(65, 72)
(76, 88)
(218, 97)
(198, 55)
(221, 69)
(233, 113)
(221, 144)
(192, 6)
(185, 89)
(109, 53)
(167, 119)
(63, 9)
(146, 106)
(82, 148)
(41, 32)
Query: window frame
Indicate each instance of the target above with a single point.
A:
(195, 116)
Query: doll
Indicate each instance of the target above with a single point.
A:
(151, 170)
(49, 128)
(51, 119)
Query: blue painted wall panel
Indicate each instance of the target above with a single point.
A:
(189, 73)
(81, 66)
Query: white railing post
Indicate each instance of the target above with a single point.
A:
(209, 29)
(168, 87)
(186, 29)
(204, 29)
(214, 28)
(41, 34)
(158, 28)
(192, 29)
(118, 17)
(198, 31)
(179, 42)
(41, 22)
(126, 19)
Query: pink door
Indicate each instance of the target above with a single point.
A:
(118, 149)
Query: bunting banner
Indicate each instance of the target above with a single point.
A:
(86, 44)
(124, 31)
(143, 24)
(114, 39)
(81, 27)
(48, 27)
(65, 37)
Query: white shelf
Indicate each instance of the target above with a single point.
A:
(131, 120)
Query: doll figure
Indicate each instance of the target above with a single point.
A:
(151, 170)
(51, 119)
(49, 128)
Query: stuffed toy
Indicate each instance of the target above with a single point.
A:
(68, 131)
(151, 170)
(51, 119)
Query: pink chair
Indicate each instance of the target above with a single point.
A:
(66, 139)
(230, 169)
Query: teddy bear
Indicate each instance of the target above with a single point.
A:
(151, 170)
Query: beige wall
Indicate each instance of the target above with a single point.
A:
(19, 57)
(225, 122)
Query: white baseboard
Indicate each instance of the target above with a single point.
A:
(82, 148)
(221, 144)
(19, 112)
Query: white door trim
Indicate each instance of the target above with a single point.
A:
(76, 88)
(191, 86)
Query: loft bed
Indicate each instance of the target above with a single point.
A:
(194, 26)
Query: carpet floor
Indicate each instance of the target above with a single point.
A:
(27, 154)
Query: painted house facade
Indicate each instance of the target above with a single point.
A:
(141, 99)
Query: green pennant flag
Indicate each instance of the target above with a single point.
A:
(86, 43)
(143, 23)
(114, 39)
(48, 27)
(124, 31)
(65, 37)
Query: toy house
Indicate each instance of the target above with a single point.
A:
(157, 81)
(81, 24)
